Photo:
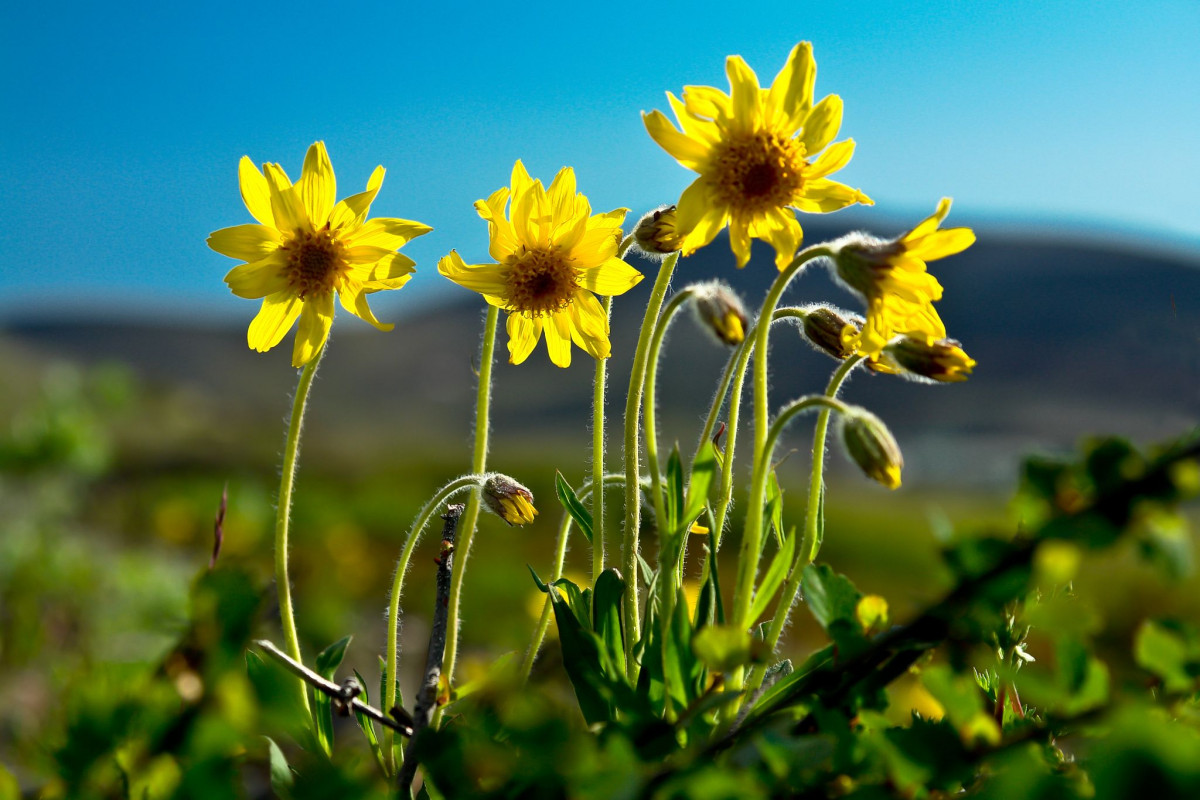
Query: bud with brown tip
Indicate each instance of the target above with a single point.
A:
(831, 330)
(871, 445)
(655, 234)
(720, 311)
(508, 500)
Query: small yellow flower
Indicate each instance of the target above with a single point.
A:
(756, 151)
(508, 500)
(552, 253)
(892, 278)
(307, 248)
(941, 361)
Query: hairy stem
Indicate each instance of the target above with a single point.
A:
(598, 386)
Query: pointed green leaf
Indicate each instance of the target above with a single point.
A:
(674, 494)
(774, 511)
(781, 565)
(704, 471)
(829, 596)
(331, 658)
(367, 726)
(282, 778)
(583, 661)
(606, 617)
(570, 501)
(722, 648)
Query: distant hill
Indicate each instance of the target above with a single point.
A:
(1071, 339)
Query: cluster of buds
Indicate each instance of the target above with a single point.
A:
(508, 500)
(871, 445)
(655, 234)
(719, 311)
(831, 330)
(940, 361)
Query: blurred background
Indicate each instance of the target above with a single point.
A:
(1065, 132)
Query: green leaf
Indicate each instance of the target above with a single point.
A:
(674, 510)
(682, 669)
(570, 501)
(282, 778)
(1171, 652)
(704, 471)
(327, 663)
(579, 601)
(606, 617)
(709, 610)
(584, 662)
(780, 566)
(331, 658)
(829, 596)
(367, 726)
(722, 648)
(542, 587)
(774, 511)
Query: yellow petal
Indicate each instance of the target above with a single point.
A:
(739, 241)
(354, 300)
(940, 244)
(317, 186)
(523, 335)
(315, 321)
(285, 204)
(589, 326)
(488, 279)
(822, 124)
(255, 193)
(259, 279)
(386, 272)
(245, 242)
(707, 102)
(823, 195)
(613, 277)
(781, 230)
(834, 158)
(366, 254)
(687, 151)
(386, 232)
(702, 130)
(520, 181)
(562, 194)
(791, 93)
(744, 93)
(274, 320)
(352, 211)
(558, 338)
(698, 218)
(930, 223)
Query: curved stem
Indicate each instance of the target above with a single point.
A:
(806, 553)
(650, 400)
(633, 405)
(598, 386)
(483, 401)
(751, 549)
(393, 651)
(560, 557)
(283, 513)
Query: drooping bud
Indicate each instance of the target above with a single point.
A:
(943, 360)
(508, 500)
(720, 311)
(859, 258)
(870, 444)
(831, 330)
(655, 234)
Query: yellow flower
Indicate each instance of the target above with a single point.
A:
(941, 361)
(508, 500)
(551, 254)
(891, 277)
(756, 151)
(307, 248)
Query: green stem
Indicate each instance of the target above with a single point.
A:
(393, 650)
(283, 513)
(598, 386)
(633, 405)
(650, 400)
(751, 549)
(483, 402)
(806, 553)
(560, 550)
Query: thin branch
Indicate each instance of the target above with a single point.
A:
(340, 694)
(427, 694)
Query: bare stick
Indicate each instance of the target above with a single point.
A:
(427, 694)
(344, 695)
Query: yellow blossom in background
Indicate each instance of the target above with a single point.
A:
(891, 277)
(308, 247)
(759, 155)
(551, 254)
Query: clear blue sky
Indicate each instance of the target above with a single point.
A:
(123, 122)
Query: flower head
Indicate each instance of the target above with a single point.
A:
(655, 236)
(508, 499)
(719, 311)
(942, 361)
(830, 330)
(756, 151)
(307, 248)
(871, 445)
(551, 253)
(892, 279)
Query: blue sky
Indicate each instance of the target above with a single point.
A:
(123, 123)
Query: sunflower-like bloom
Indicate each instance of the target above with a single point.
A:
(551, 254)
(891, 277)
(307, 248)
(757, 154)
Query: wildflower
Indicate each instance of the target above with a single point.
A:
(891, 277)
(656, 234)
(508, 500)
(943, 361)
(831, 330)
(307, 248)
(756, 152)
(551, 254)
(720, 312)
(871, 445)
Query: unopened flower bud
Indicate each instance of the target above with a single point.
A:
(831, 330)
(720, 311)
(655, 233)
(508, 500)
(943, 360)
(871, 445)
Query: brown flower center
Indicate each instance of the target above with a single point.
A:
(758, 172)
(315, 262)
(540, 282)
